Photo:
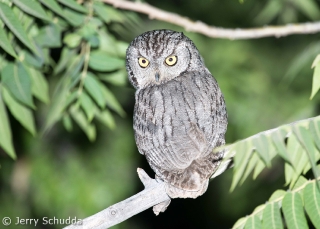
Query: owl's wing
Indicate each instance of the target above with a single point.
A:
(186, 143)
(177, 125)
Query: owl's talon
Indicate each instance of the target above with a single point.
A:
(161, 207)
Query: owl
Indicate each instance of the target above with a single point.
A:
(179, 115)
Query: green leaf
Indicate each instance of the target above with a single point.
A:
(311, 196)
(118, 78)
(74, 18)
(272, 217)
(40, 87)
(251, 165)
(108, 43)
(5, 130)
(298, 159)
(314, 127)
(278, 141)
(253, 222)
(6, 44)
(258, 211)
(59, 102)
(74, 5)
(54, 6)
(21, 113)
(106, 118)
(32, 7)
(240, 223)
(110, 14)
(87, 30)
(13, 23)
(259, 167)
(111, 101)
(293, 211)
(240, 160)
(65, 57)
(17, 80)
(101, 11)
(94, 41)
(315, 80)
(277, 195)
(67, 122)
(71, 98)
(315, 61)
(102, 61)
(30, 59)
(122, 48)
(309, 8)
(80, 118)
(72, 40)
(305, 140)
(300, 183)
(88, 106)
(74, 67)
(262, 147)
(49, 36)
(94, 88)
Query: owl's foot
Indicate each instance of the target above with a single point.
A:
(148, 182)
(161, 207)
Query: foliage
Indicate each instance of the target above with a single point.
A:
(279, 11)
(298, 144)
(304, 196)
(90, 59)
(300, 153)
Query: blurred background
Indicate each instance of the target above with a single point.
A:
(266, 83)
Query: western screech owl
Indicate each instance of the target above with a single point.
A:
(180, 114)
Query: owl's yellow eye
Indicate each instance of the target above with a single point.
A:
(143, 62)
(171, 60)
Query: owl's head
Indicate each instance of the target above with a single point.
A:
(158, 56)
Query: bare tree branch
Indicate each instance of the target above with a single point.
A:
(153, 194)
(212, 31)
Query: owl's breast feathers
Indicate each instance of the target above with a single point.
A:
(177, 125)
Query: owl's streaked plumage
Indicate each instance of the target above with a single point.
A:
(180, 114)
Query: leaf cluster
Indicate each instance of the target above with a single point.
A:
(303, 198)
(288, 11)
(299, 146)
(90, 59)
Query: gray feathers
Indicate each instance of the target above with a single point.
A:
(179, 119)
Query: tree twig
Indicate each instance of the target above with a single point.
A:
(212, 31)
(153, 194)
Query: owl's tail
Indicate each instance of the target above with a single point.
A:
(193, 181)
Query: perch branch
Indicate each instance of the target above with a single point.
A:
(153, 194)
(212, 31)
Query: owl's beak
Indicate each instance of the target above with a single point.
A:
(157, 76)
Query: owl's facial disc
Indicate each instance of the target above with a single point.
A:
(156, 57)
